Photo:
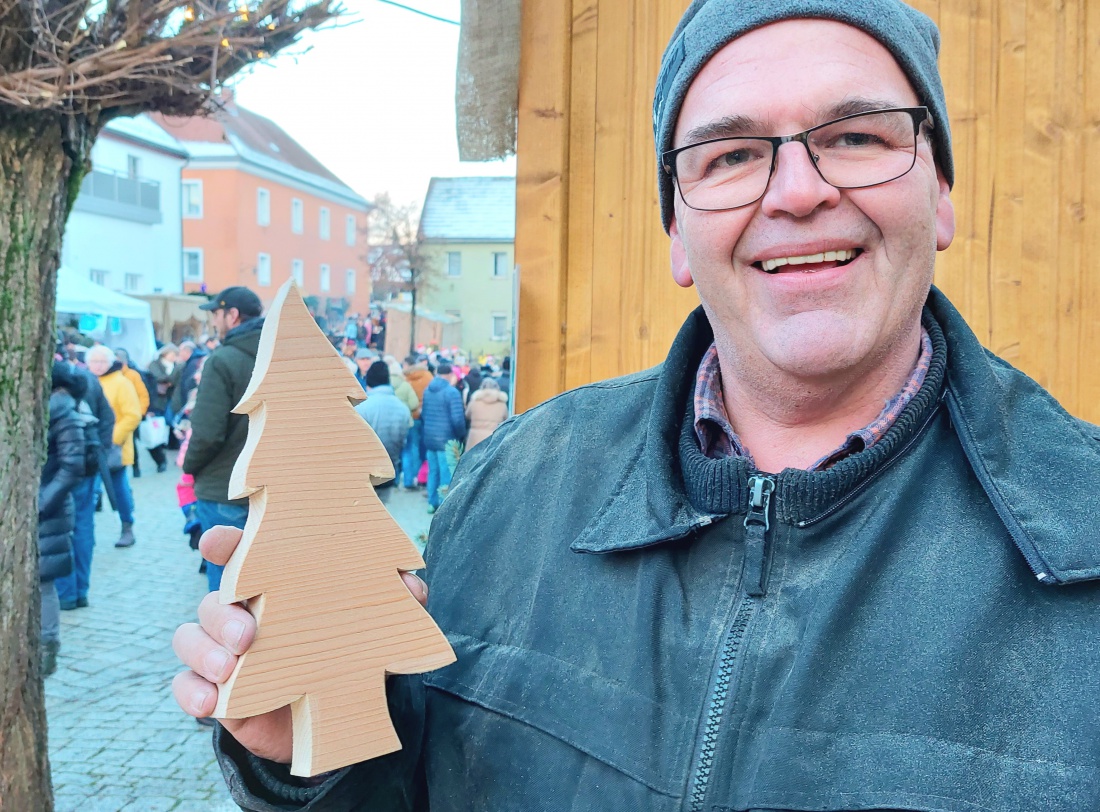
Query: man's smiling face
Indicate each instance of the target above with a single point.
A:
(822, 319)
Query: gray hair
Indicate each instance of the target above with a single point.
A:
(99, 352)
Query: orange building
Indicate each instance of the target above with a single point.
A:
(258, 209)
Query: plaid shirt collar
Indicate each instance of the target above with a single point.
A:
(717, 438)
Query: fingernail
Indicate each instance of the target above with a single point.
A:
(217, 661)
(233, 631)
(198, 701)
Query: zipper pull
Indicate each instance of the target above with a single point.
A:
(756, 533)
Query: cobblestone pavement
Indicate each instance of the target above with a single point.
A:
(118, 741)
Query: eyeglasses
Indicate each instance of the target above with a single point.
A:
(853, 152)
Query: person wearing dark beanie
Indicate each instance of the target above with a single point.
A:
(388, 415)
(378, 374)
(831, 554)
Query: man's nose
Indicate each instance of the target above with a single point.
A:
(796, 188)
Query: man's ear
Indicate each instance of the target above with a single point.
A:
(681, 273)
(945, 214)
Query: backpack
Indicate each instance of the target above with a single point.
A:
(91, 438)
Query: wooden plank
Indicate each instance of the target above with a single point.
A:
(582, 181)
(542, 178)
(1089, 391)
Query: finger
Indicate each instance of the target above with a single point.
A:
(418, 588)
(194, 694)
(218, 543)
(199, 652)
(230, 625)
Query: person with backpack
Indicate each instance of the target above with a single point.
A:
(98, 419)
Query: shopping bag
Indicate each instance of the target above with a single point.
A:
(153, 431)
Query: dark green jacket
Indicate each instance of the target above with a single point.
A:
(915, 628)
(217, 435)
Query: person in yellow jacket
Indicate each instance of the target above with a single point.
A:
(123, 397)
(144, 401)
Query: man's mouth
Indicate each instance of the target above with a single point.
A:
(810, 263)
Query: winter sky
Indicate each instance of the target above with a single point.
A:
(372, 97)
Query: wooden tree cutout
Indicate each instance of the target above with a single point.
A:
(320, 558)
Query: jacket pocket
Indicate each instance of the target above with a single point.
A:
(563, 717)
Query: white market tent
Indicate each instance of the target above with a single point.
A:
(123, 321)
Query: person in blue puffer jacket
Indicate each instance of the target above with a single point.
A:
(63, 471)
(444, 421)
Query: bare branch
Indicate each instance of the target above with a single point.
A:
(164, 55)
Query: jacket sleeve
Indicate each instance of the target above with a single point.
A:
(70, 470)
(210, 417)
(128, 412)
(142, 391)
(457, 413)
(101, 408)
(408, 396)
(394, 782)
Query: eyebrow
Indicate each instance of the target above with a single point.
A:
(738, 125)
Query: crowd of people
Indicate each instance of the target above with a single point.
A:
(103, 411)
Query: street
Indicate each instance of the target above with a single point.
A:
(117, 739)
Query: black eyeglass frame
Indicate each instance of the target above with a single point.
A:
(919, 115)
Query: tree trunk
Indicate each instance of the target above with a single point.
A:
(42, 161)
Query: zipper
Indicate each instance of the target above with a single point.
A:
(881, 470)
(718, 698)
(756, 534)
(757, 524)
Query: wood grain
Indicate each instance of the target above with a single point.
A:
(1022, 79)
(320, 558)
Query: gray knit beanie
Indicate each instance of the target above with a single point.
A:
(709, 25)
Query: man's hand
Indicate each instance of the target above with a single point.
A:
(210, 648)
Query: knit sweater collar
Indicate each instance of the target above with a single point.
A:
(720, 486)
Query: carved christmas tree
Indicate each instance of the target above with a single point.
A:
(320, 558)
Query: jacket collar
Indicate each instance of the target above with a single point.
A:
(1036, 463)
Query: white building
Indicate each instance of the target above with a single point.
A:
(125, 230)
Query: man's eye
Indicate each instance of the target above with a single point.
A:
(858, 140)
(735, 157)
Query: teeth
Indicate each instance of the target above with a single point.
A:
(828, 256)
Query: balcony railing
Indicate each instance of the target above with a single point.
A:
(114, 194)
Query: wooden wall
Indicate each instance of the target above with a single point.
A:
(1023, 86)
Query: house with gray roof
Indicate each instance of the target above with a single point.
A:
(469, 226)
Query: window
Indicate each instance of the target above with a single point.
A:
(454, 263)
(298, 271)
(263, 270)
(192, 264)
(133, 282)
(297, 216)
(192, 199)
(326, 224)
(326, 279)
(500, 264)
(263, 207)
(500, 327)
(350, 274)
(100, 277)
(349, 229)
(133, 166)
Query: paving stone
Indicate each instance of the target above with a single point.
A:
(117, 739)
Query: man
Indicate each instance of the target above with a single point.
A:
(413, 456)
(388, 416)
(123, 398)
(444, 421)
(217, 435)
(363, 360)
(830, 555)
